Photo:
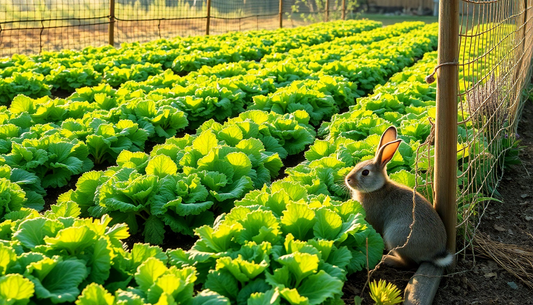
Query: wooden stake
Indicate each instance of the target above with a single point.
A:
(280, 14)
(208, 21)
(327, 11)
(343, 9)
(445, 179)
(111, 28)
(423, 286)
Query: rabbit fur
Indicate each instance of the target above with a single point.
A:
(389, 209)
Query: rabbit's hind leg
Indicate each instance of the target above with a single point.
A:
(393, 259)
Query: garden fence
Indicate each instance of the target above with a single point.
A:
(33, 26)
(485, 52)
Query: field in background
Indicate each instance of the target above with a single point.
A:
(392, 19)
(33, 26)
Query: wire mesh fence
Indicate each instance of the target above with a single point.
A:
(33, 26)
(495, 56)
(495, 47)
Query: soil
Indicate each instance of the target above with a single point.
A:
(33, 37)
(476, 278)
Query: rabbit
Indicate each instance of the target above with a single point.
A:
(389, 209)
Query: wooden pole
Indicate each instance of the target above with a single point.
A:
(280, 14)
(208, 21)
(445, 179)
(326, 11)
(111, 29)
(343, 9)
(423, 286)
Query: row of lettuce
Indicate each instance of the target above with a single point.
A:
(36, 75)
(292, 242)
(47, 141)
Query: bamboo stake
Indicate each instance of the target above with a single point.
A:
(280, 14)
(208, 21)
(445, 179)
(111, 29)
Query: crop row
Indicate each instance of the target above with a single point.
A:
(186, 182)
(51, 139)
(35, 76)
(298, 203)
(289, 242)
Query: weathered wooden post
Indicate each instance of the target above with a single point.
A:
(424, 284)
(445, 176)
(111, 28)
(343, 9)
(326, 17)
(208, 21)
(280, 14)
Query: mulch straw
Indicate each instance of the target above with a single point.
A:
(518, 261)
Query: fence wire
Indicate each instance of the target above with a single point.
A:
(495, 53)
(34, 26)
(495, 56)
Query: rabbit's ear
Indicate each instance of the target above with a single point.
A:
(385, 153)
(388, 135)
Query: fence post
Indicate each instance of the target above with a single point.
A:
(343, 9)
(327, 11)
(445, 176)
(111, 28)
(280, 14)
(208, 21)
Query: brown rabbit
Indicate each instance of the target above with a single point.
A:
(389, 209)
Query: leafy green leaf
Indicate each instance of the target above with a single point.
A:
(15, 289)
(223, 283)
(148, 272)
(95, 294)
(57, 280)
(154, 230)
(208, 297)
(161, 166)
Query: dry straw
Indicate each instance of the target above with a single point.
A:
(518, 261)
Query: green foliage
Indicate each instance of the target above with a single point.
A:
(187, 181)
(320, 6)
(251, 101)
(22, 83)
(384, 293)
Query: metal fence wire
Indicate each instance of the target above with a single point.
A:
(33, 26)
(495, 47)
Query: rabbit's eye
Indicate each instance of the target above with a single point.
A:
(365, 172)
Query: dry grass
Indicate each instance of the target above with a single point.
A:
(517, 260)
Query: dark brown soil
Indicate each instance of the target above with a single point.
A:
(476, 278)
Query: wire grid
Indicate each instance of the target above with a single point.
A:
(146, 20)
(243, 15)
(495, 51)
(304, 12)
(495, 57)
(33, 26)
